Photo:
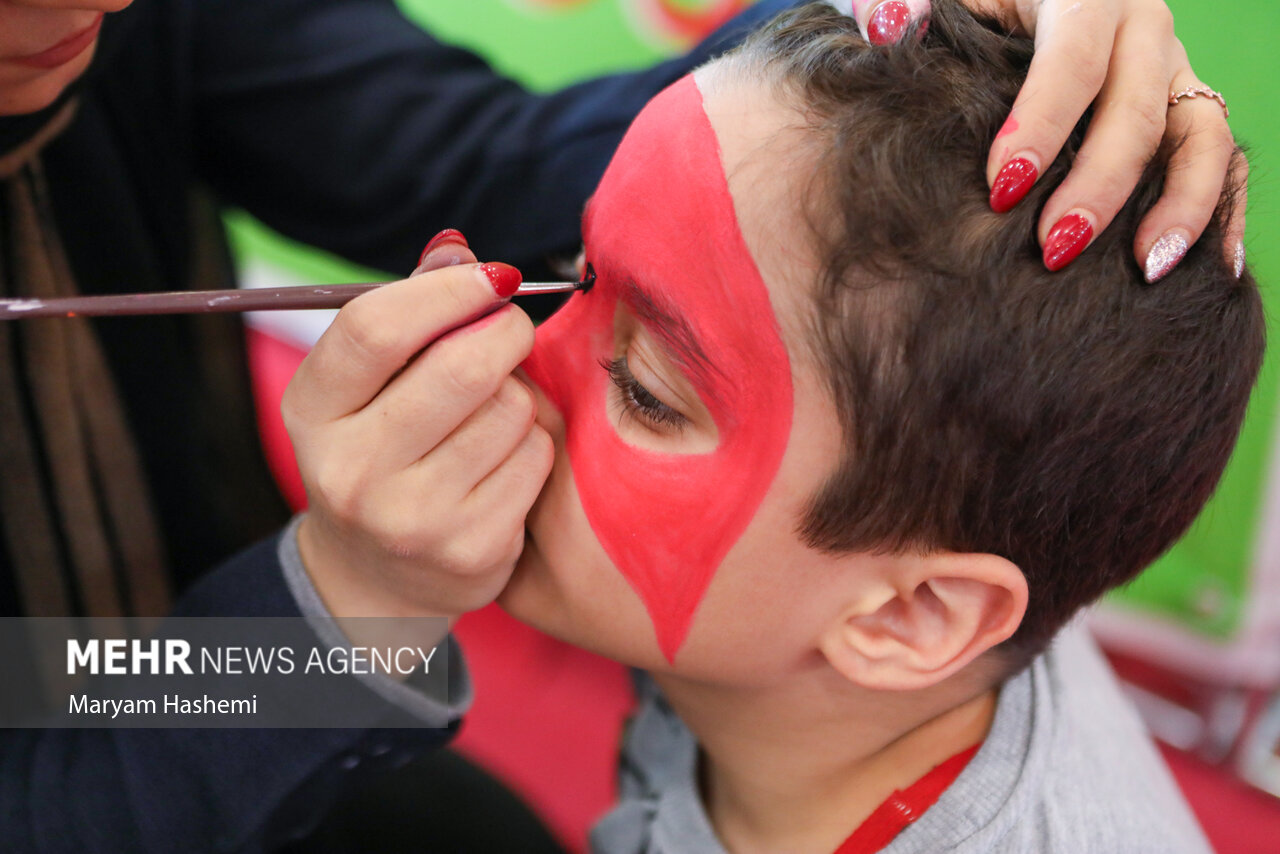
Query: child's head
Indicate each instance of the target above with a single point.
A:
(825, 409)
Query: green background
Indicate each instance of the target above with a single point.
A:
(1204, 582)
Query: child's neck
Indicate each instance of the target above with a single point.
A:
(797, 770)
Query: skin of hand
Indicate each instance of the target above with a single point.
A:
(417, 446)
(1121, 56)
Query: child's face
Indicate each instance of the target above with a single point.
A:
(691, 425)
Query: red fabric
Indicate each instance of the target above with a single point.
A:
(905, 806)
(547, 720)
(1237, 818)
(273, 363)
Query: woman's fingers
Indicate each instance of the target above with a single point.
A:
(1238, 176)
(449, 248)
(443, 387)
(474, 539)
(1197, 173)
(374, 336)
(482, 442)
(884, 21)
(1127, 126)
(1073, 53)
(400, 416)
(507, 494)
(486, 439)
(1126, 56)
(1194, 183)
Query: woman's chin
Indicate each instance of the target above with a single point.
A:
(21, 97)
(32, 98)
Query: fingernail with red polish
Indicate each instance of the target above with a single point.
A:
(888, 22)
(1067, 239)
(1012, 182)
(504, 278)
(449, 235)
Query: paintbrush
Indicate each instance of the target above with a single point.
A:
(212, 302)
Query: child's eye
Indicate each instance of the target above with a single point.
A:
(638, 400)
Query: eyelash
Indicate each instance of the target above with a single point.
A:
(638, 400)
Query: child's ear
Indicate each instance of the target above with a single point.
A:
(925, 619)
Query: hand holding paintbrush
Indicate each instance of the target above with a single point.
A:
(417, 445)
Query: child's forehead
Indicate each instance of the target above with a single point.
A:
(677, 240)
(769, 156)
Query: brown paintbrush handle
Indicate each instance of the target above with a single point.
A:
(185, 302)
(210, 302)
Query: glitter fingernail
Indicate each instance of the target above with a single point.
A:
(1165, 255)
(1239, 260)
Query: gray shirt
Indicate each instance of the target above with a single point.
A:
(431, 708)
(1067, 768)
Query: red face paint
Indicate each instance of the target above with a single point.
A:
(663, 220)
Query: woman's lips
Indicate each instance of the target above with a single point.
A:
(65, 50)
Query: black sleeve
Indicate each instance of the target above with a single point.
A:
(341, 124)
(190, 790)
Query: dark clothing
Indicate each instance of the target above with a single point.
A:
(339, 124)
(175, 790)
(442, 802)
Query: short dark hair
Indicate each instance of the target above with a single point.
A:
(1073, 422)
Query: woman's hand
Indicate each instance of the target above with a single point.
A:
(1123, 55)
(417, 447)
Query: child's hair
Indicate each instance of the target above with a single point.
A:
(1072, 422)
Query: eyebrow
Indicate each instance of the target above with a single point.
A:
(674, 333)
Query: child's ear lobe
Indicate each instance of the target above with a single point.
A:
(932, 616)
